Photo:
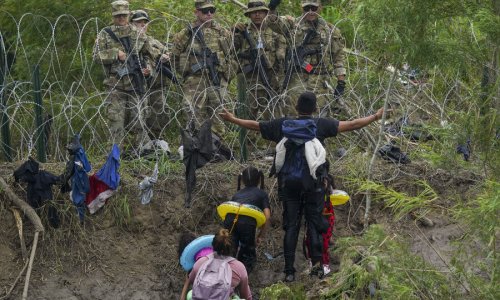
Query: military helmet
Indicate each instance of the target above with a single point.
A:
(138, 15)
(310, 2)
(199, 4)
(120, 7)
(255, 5)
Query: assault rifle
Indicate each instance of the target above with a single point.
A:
(167, 72)
(208, 59)
(258, 61)
(295, 58)
(132, 66)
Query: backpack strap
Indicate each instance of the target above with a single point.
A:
(279, 157)
(228, 259)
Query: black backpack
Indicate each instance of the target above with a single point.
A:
(295, 170)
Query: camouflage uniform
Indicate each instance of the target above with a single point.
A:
(159, 93)
(261, 101)
(328, 62)
(125, 108)
(200, 97)
(157, 113)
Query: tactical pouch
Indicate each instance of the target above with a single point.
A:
(122, 71)
(247, 69)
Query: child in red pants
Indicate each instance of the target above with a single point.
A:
(329, 215)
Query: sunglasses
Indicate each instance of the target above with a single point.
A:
(310, 8)
(255, 4)
(207, 10)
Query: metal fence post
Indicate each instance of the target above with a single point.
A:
(242, 109)
(39, 134)
(6, 148)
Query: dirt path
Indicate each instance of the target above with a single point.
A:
(138, 259)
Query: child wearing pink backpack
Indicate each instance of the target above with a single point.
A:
(219, 276)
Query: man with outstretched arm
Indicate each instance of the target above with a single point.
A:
(301, 186)
(343, 126)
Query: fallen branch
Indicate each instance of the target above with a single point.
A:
(25, 207)
(34, 219)
(19, 224)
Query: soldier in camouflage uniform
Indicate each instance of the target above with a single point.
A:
(201, 97)
(157, 116)
(125, 104)
(325, 56)
(269, 47)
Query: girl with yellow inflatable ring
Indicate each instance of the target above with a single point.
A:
(248, 204)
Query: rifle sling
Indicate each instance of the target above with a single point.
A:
(137, 80)
(116, 39)
(196, 33)
(294, 60)
(253, 47)
(249, 39)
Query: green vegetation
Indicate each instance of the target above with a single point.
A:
(280, 291)
(382, 266)
(400, 203)
(378, 265)
(480, 218)
(120, 210)
(454, 45)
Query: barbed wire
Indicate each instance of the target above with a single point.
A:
(74, 99)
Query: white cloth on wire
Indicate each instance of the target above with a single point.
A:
(146, 186)
(314, 151)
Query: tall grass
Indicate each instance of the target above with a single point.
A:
(400, 203)
(380, 266)
(478, 260)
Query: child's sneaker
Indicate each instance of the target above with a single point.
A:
(326, 270)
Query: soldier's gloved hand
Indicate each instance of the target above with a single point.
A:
(273, 4)
(122, 55)
(239, 27)
(339, 89)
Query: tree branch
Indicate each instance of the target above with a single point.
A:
(380, 137)
(35, 220)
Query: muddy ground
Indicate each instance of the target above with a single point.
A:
(115, 257)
